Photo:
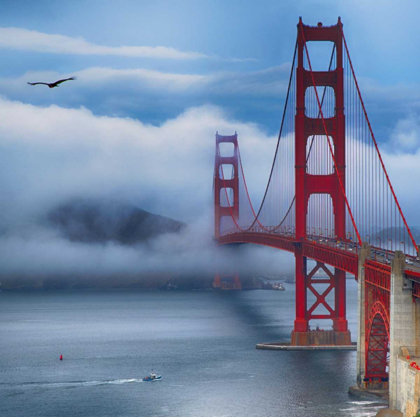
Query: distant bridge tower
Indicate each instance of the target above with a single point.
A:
(229, 183)
(307, 184)
(224, 187)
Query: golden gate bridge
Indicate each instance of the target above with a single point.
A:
(328, 199)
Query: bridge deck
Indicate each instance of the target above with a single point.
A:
(342, 255)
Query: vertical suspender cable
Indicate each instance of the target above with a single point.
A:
(376, 145)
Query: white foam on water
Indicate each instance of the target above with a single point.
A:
(364, 410)
(75, 384)
(124, 381)
(362, 402)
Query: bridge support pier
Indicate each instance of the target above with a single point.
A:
(227, 282)
(404, 333)
(302, 335)
(217, 283)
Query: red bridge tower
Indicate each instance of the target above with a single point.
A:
(307, 184)
(222, 186)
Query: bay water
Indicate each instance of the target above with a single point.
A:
(201, 342)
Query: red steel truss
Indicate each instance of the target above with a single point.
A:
(377, 339)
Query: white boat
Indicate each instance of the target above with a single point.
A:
(152, 377)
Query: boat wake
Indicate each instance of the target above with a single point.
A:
(75, 384)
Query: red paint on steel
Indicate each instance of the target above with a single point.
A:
(220, 183)
(377, 313)
(334, 257)
(308, 184)
(264, 239)
(416, 289)
(413, 275)
(339, 148)
(377, 341)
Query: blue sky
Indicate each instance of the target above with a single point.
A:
(155, 81)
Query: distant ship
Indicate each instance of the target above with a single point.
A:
(279, 286)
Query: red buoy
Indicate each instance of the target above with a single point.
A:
(61, 357)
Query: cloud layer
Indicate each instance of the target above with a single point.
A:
(50, 155)
(32, 40)
(62, 152)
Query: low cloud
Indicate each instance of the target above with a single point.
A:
(405, 137)
(52, 155)
(42, 252)
(155, 80)
(32, 40)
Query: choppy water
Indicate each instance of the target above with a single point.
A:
(203, 344)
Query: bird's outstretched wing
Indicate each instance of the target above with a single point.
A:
(37, 83)
(66, 79)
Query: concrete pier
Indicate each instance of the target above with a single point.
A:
(404, 331)
(321, 338)
(407, 382)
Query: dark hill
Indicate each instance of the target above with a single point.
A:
(103, 221)
(395, 233)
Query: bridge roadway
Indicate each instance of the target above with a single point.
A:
(339, 254)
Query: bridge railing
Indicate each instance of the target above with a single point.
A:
(269, 230)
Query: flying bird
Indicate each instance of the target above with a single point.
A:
(52, 85)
